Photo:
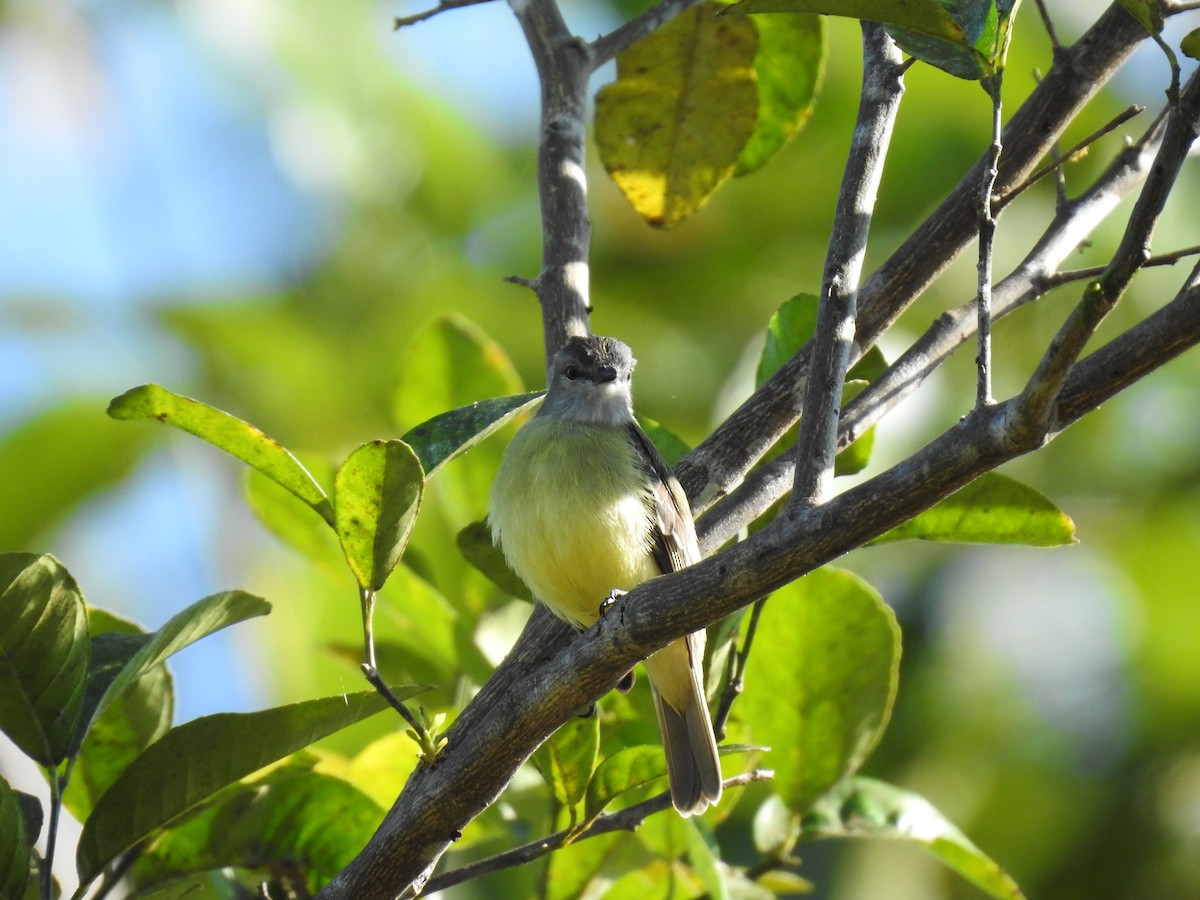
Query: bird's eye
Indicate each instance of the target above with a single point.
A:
(572, 373)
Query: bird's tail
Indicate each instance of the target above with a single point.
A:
(693, 767)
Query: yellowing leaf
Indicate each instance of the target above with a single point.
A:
(672, 126)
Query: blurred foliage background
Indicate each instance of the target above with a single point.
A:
(273, 205)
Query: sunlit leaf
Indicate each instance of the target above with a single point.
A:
(235, 437)
(628, 768)
(791, 327)
(445, 436)
(864, 807)
(820, 681)
(705, 857)
(44, 655)
(14, 845)
(1190, 45)
(581, 869)
(382, 767)
(452, 363)
(268, 823)
(377, 493)
(993, 509)
(475, 542)
(1147, 12)
(567, 759)
(672, 126)
(924, 16)
(55, 460)
(291, 519)
(193, 761)
(202, 618)
(130, 723)
(788, 67)
(211, 886)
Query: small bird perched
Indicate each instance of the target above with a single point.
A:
(584, 506)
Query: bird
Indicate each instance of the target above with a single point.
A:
(585, 508)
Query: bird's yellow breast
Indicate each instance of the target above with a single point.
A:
(571, 510)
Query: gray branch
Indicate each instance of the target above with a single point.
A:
(883, 86)
(722, 459)
(563, 63)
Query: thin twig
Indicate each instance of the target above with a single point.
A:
(627, 819)
(735, 684)
(609, 45)
(1048, 25)
(722, 459)
(1035, 275)
(1071, 155)
(403, 21)
(1100, 296)
(882, 88)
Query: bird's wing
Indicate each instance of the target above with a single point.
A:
(674, 539)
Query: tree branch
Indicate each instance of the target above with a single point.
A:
(882, 88)
(404, 21)
(1036, 274)
(1100, 296)
(628, 819)
(563, 63)
(722, 459)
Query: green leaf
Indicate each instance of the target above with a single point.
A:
(211, 887)
(55, 460)
(202, 618)
(967, 38)
(131, 721)
(671, 128)
(445, 436)
(228, 433)
(568, 759)
(628, 768)
(1147, 12)
(14, 845)
(993, 509)
(987, 29)
(193, 761)
(856, 456)
(452, 363)
(705, 857)
(791, 327)
(291, 519)
(478, 548)
(44, 654)
(789, 66)
(377, 493)
(924, 16)
(381, 769)
(268, 823)
(864, 807)
(1190, 45)
(820, 681)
